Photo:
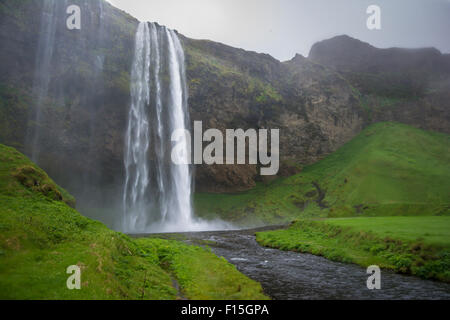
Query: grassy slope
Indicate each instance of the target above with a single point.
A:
(389, 169)
(413, 245)
(41, 236)
(201, 274)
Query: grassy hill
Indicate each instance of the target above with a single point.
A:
(389, 169)
(41, 235)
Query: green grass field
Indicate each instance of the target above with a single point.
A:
(389, 169)
(412, 245)
(383, 199)
(429, 230)
(41, 235)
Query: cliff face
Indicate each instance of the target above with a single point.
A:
(82, 114)
(314, 108)
(64, 94)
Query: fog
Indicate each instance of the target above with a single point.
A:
(283, 28)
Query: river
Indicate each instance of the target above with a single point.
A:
(288, 275)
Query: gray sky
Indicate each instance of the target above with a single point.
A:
(285, 27)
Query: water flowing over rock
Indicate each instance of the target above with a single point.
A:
(157, 193)
(65, 100)
(41, 81)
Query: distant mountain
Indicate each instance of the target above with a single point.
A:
(406, 85)
(344, 54)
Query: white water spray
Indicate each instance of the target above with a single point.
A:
(137, 136)
(158, 193)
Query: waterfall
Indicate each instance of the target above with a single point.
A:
(70, 80)
(138, 136)
(44, 56)
(157, 192)
(180, 197)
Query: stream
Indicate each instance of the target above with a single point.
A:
(297, 276)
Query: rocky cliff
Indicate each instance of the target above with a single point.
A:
(318, 103)
(64, 94)
(313, 106)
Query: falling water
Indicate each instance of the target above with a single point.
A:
(41, 81)
(69, 92)
(137, 141)
(180, 197)
(158, 193)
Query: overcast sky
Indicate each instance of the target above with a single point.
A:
(285, 27)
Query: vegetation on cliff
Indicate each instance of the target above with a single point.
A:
(41, 236)
(389, 169)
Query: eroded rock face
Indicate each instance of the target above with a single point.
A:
(82, 111)
(314, 108)
(317, 106)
